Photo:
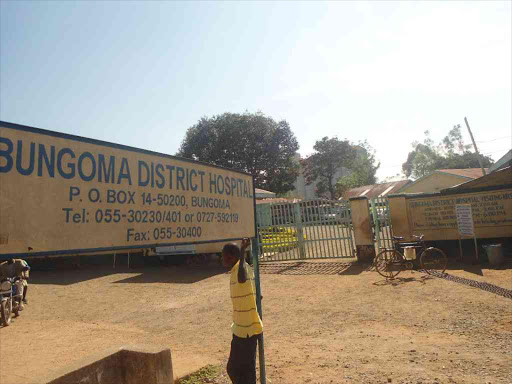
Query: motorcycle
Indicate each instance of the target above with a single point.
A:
(10, 299)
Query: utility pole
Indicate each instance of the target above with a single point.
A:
(476, 149)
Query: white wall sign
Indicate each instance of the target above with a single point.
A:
(464, 219)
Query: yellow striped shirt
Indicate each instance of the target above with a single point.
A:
(246, 320)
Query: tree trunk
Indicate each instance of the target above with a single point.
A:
(332, 190)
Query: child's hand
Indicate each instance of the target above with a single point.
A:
(245, 243)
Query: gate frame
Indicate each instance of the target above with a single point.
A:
(290, 222)
(379, 226)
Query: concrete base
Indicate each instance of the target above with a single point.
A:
(365, 253)
(126, 365)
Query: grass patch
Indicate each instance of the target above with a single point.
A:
(205, 375)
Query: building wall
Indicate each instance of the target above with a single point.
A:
(434, 183)
(306, 192)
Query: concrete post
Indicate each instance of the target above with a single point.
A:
(363, 234)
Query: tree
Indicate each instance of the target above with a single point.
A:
(323, 166)
(450, 153)
(363, 169)
(249, 142)
(453, 143)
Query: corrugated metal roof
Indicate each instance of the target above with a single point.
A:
(503, 162)
(376, 190)
(387, 191)
(258, 190)
(497, 178)
(469, 172)
(262, 194)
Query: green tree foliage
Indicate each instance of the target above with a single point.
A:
(323, 165)
(450, 153)
(363, 169)
(249, 142)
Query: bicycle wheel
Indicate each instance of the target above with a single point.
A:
(433, 259)
(387, 263)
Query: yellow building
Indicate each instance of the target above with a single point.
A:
(441, 179)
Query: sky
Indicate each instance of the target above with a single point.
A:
(141, 73)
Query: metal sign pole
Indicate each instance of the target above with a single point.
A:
(261, 348)
(476, 249)
(256, 265)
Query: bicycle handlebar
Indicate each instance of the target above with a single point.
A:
(10, 279)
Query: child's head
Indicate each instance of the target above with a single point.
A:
(230, 254)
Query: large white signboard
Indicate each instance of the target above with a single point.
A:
(66, 194)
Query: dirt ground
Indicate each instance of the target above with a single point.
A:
(325, 322)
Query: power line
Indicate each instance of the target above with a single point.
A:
(499, 150)
(498, 138)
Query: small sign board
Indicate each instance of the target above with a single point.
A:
(176, 250)
(464, 219)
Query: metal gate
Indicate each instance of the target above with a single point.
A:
(381, 219)
(311, 229)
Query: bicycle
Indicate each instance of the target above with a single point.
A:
(390, 261)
